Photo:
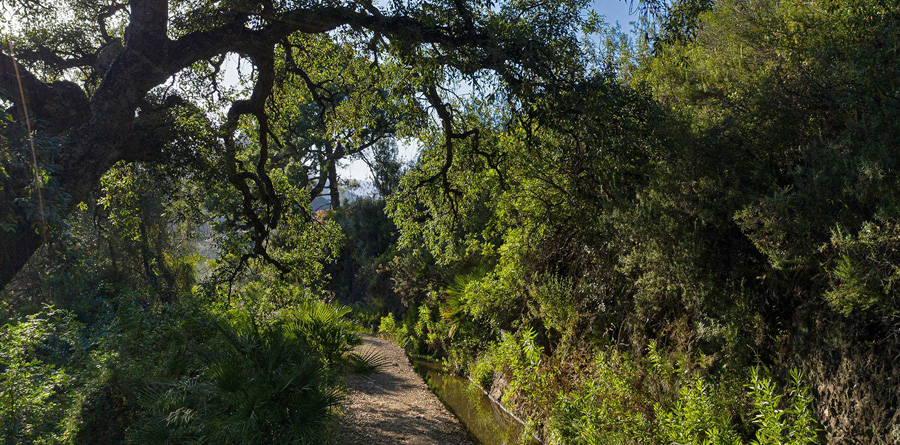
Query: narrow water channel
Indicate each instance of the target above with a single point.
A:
(485, 419)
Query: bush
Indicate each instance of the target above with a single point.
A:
(36, 388)
(865, 276)
(387, 326)
(398, 334)
(482, 373)
(520, 359)
(781, 421)
(644, 400)
(322, 330)
(265, 382)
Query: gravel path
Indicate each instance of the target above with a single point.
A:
(394, 406)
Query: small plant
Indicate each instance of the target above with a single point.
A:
(322, 329)
(695, 418)
(33, 381)
(389, 330)
(521, 358)
(387, 326)
(483, 373)
(368, 361)
(781, 421)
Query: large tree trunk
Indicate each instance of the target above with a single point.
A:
(16, 248)
(84, 157)
(94, 134)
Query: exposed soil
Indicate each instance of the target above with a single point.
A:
(394, 406)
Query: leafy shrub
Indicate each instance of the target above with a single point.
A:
(495, 297)
(387, 325)
(265, 386)
(388, 329)
(520, 358)
(695, 417)
(482, 372)
(555, 302)
(865, 277)
(779, 421)
(604, 408)
(627, 400)
(321, 329)
(35, 386)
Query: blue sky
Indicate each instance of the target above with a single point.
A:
(616, 11)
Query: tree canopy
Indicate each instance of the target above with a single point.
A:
(100, 82)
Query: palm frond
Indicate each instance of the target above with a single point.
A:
(368, 361)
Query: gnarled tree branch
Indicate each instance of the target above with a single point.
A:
(95, 133)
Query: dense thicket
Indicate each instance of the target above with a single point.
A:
(713, 207)
(120, 332)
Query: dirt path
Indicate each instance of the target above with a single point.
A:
(394, 406)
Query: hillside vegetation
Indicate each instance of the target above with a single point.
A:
(689, 234)
(694, 243)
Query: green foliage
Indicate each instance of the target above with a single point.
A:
(604, 409)
(361, 273)
(35, 385)
(494, 297)
(265, 386)
(697, 412)
(182, 371)
(389, 329)
(149, 214)
(780, 424)
(694, 419)
(652, 400)
(137, 345)
(366, 317)
(323, 330)
(301, 244)
(29, 192)
(722, 188)
(387, 325)
(368, 361)
(520, 358)
(482, 372)
(865, 274)
(77, 383)
(555, 301)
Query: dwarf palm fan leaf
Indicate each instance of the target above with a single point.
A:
(453, 311)
(229, 376)
(368, 361)
(173, 407)
(324, 329)
(267, 385)
(156, 432)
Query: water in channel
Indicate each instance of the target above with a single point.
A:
(489, 423)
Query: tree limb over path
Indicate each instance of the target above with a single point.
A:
(95, 125)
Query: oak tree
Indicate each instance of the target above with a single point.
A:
(91, 83)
